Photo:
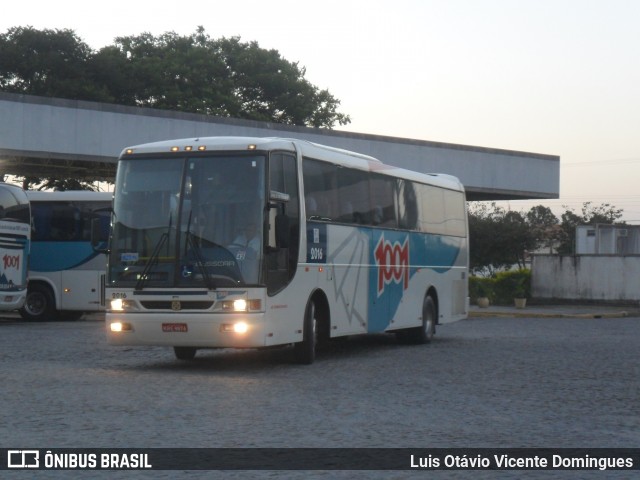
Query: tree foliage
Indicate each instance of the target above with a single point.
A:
(500, 239)
(192, 73)
(57, 184)
(45, 63)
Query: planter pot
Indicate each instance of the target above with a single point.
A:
(483, 302)
(520, 302)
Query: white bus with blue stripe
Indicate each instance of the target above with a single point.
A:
(66, 274)
(15, 235)
(255, 242)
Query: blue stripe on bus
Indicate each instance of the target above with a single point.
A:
(58, 256)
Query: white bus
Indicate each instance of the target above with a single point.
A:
(256, 242)
(66, 274)
(15, 235)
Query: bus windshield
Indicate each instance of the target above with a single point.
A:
(198, 222)
(14, 205)
(15, 232)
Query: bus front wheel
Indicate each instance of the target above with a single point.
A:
(40, 305)
(305, 351)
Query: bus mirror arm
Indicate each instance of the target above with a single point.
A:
(278, 197)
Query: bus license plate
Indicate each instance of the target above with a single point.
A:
(175, 327)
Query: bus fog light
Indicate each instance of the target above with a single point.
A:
(121, 327)
(238, 327)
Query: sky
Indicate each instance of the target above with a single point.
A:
(558, 77)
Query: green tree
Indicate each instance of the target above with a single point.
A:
(516, 238)
(481, 250)
(544, 226)
(190, 73)
(47, 63)
(498, 238)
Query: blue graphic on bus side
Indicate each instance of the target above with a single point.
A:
(395, 257)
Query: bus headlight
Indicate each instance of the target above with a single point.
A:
(241, 305)
(116, 305)
(120, 305)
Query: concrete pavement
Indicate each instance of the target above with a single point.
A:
(530, 311)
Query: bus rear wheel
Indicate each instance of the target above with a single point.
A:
(425, 332)
(304, 352)
(39, 305)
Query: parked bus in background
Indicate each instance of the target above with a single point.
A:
(66, 275)
(256, 242)
(15, 235)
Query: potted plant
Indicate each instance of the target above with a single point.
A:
(483, 291)
(520, 293)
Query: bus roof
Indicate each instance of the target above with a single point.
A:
(307, 149)
(69, 196)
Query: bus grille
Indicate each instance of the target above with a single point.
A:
(169, 305)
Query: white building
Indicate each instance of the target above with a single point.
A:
(608, 240)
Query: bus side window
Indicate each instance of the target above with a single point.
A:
(407, 205)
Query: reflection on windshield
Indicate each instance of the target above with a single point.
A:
(188, 222)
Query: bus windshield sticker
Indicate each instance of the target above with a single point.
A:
(129, 257)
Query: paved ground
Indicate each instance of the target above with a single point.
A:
(490, 381)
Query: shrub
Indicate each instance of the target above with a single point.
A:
(513, 284)
(502, 288)
(481, 287)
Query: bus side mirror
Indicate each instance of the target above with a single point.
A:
(278, 221)
(99, 237)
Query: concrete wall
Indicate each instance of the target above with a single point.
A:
(593, 278)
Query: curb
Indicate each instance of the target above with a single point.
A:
(525, 314)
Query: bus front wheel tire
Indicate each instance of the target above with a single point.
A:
(39, 305)
(304, 352)
(425, 332)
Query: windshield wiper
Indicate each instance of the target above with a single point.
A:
(153, 259)
(189, 243)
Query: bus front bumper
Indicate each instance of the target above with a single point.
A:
(235, 330)
(12, 300)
